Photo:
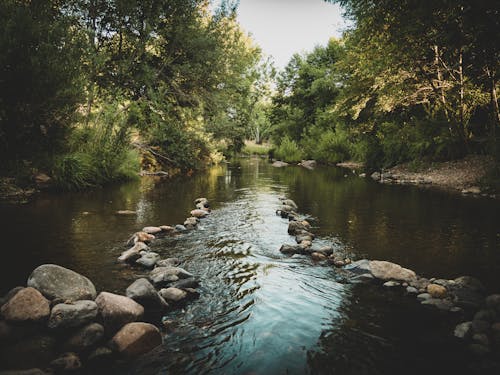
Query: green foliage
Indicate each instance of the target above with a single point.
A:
(288, 151)
(251, 148)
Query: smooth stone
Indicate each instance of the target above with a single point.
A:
(375, 176)
(307, 244)
(54, 281)
(11, 293)
(327, 250)
(463, 330)
(391, 284)
(26, 305)
(190, 222)
(423, 296)
(169, 262)
(199, 213)
(420, 283)
(148, 259)
(135, 339)
(201, 200)
(144, 293)
(167, 228)
(173, 294)
(100, 357)
(180, 228)
(186, 283)
(360, 267)
(126, 212)
(291, 203)
(390, 271)
(339, 263)
(291, 249)
(65, 315)
(279, 164)
(318, 256)
(67, 362)
(164, 275)
(436, 291)
(295, 227)
(130, 255)
(411, 290)
(117, 310)
(302, 237)
(308, 164)
(480, 326)
(152, 230)
(85, 338)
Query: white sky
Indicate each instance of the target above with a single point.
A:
(284, 27)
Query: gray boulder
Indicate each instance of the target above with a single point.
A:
(279, 164)
(144, 293)
(291, 249)
(185, 284)
(117, 310)
(54, 281)
(174, 295)
(27, 305)
(164, 275)
(135, 339)
(180, 228)
(148, 259)
(360, 267)
(134, 253)
(64, 315)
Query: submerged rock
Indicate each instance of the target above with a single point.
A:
(64, 315)
(186, 283)
(58, 282)
(27, 305)
(117, 310)
(135, 339)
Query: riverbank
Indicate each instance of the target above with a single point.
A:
(465, 175)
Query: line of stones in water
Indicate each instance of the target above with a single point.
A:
(59, 324)
(464, 297)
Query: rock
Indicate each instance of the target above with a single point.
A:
(391, 284)
(375, 176)
(486, 315)
(42, 180)
(180, 228)
(467, 292)
(318, 256)
(362, 175)
(144, 293)
(148, 259)
(279, 164)
(291, 249)
(132, 254)
(363, 278)
(167, 228)
(161, 276)
(11, 293)
(297, 227)
(472, 190)
(31, 352)
(423, 296)
(85, 338)
(469, 282)
(291, 203)
(308, 164)
(65, 315)
(420, 283)
(411, 290)
(463, 330)
(135, 339)
(481, 338)
(493, 302)
(143, 237)
(436, 291)
(339, 263)
(173, 294)
(67, 362)
(360, 267)
(307, 244)
(480, 326)
(58, 282)
(117, 310)
(191, 222)
(27, 305)
(100, 357)
(326, 250)
(169, 262)
(441, 304)
(442, 282)
(390, 271)
(303, 237)
(201, 200)
(126, 212)
(199, 213)
(152, 230)
(186, 283)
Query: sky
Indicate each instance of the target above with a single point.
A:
(284, 27)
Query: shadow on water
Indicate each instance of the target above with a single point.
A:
(261, 312)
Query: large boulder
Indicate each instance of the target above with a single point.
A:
(144, 293)
(27, 305)
(135, 339)
(391, 271)
(65, 315)
(291, 249)
(117, 310)
(161, 276)
(85, 338)
(54, 281)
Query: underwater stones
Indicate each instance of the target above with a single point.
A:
(54, 281)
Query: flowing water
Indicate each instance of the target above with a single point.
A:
(261, 312)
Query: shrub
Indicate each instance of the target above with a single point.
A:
(289, 151)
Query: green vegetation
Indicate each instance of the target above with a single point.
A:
(79, 78)
(252, 148)
(411, 81)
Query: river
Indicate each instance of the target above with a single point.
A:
(261, 312)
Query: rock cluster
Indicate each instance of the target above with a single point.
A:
(57, 323)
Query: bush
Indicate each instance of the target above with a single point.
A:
(289, 151)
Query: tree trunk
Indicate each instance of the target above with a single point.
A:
(461, 129)
(440, 86)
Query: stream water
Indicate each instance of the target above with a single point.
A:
(261, 312)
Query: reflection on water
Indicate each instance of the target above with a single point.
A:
(261, 312)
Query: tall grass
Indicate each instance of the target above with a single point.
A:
(289, 151)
